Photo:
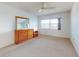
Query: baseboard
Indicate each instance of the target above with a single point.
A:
(74, 45)
(55, 36)
(7, 46)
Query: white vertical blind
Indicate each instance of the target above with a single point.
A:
(49, 24)
(45, 24)
(54, 23)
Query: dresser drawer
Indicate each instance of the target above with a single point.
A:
(22, 35)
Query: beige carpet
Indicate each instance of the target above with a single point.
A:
(43, 46)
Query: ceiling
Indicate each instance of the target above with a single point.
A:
(33, 7)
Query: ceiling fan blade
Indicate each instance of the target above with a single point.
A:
(48, 7)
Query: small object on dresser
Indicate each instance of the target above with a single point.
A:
(35, 34)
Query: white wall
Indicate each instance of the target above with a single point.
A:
(75, 26)
(7, 23)
(65, 27)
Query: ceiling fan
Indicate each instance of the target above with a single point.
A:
(44, 7)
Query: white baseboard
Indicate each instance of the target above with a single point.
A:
(75, 45)
(56, 36)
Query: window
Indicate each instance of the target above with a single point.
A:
(45, 24)
(51, 24)
(54, 23)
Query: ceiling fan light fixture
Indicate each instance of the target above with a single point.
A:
(44, 8)
(40, 10)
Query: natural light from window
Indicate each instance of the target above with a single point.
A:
(49, 24)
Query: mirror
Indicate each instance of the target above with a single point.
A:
(22, 23)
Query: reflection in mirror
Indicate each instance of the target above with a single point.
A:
(22, 23)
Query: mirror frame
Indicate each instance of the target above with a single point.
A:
(21, 18)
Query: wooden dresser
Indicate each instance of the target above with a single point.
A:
(23, 35)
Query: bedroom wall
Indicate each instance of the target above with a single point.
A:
(75, 26)
(65, 25)
(7, 23)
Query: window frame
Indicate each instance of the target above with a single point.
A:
(58, 25)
